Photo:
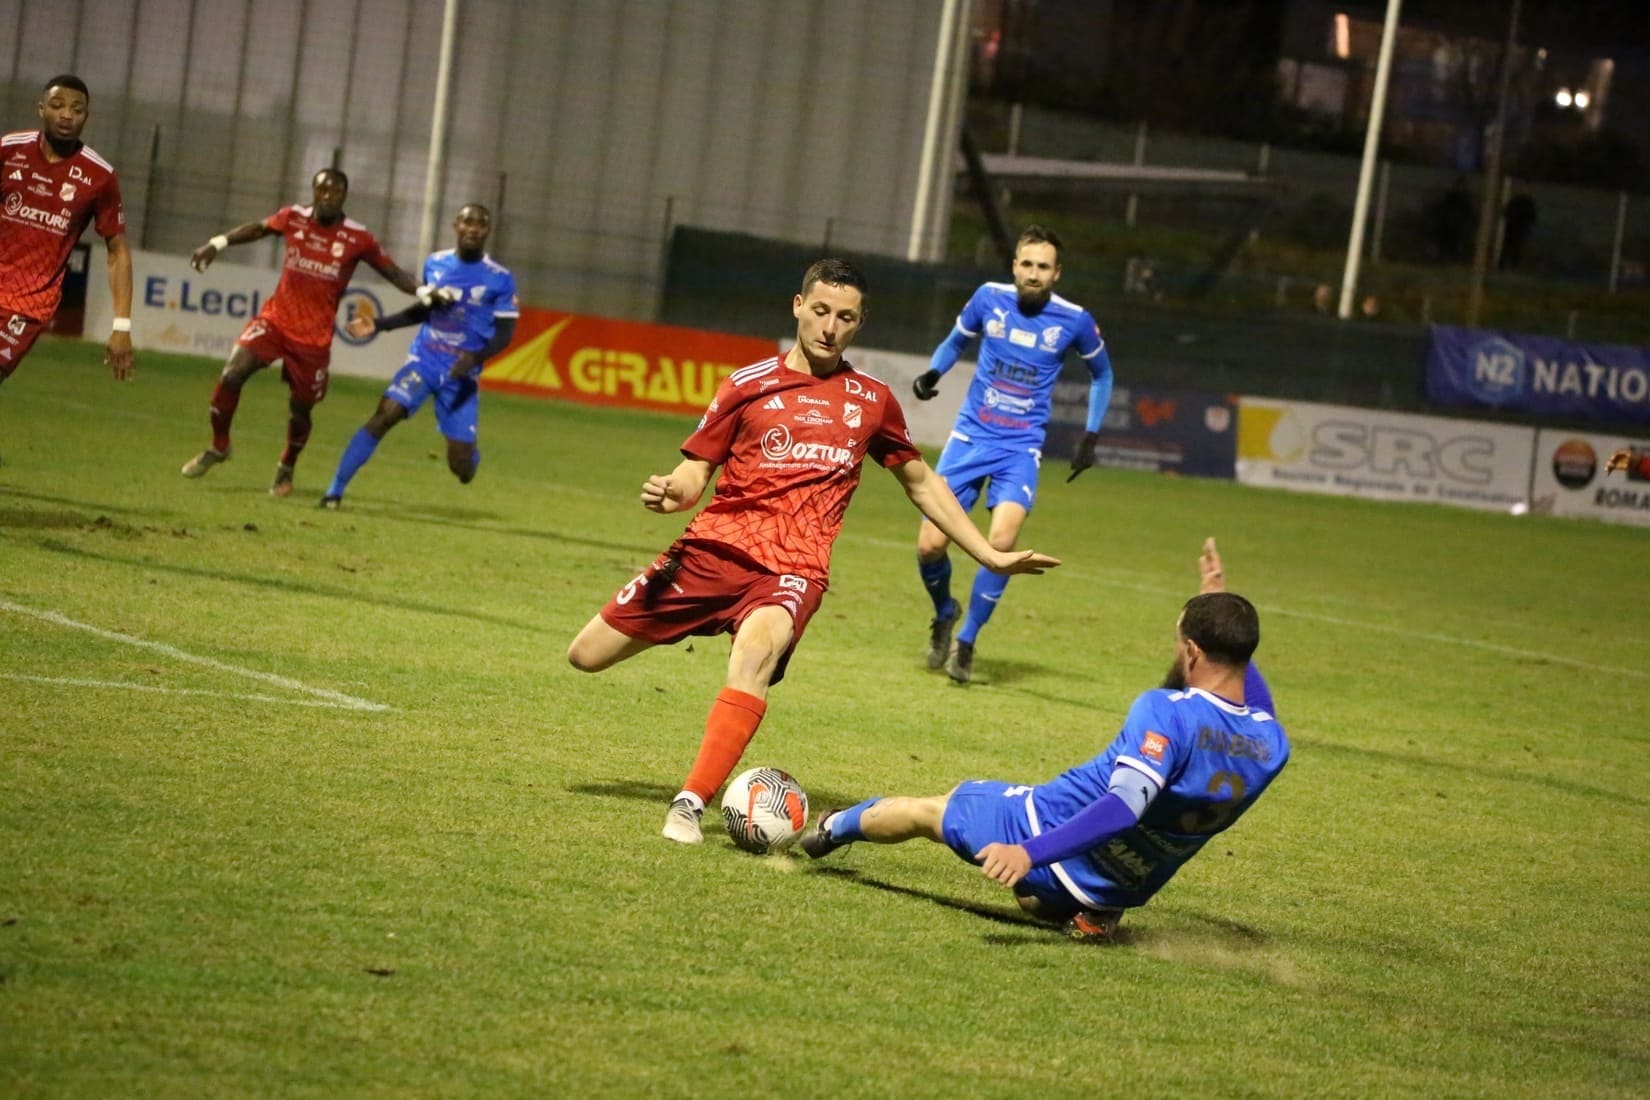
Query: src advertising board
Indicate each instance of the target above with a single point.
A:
(1601, 383)
(1171, 432)
(1382, 455)
(1569, 479)
(602, 361)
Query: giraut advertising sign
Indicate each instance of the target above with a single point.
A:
(1603, 383)
(602, 361)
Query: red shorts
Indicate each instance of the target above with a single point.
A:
(303, 366)
(17, 336)
(708, 588)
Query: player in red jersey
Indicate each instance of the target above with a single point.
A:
(295, 325)
(790, 434)
(51, 186)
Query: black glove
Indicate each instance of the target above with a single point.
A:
(1084, 458)
(926, 385)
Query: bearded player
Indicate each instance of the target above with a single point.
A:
(789, 434)
(295, 326)
(51, 186)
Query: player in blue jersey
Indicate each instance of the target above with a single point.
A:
(467, 311)
(1106, 835)
(1025, 330)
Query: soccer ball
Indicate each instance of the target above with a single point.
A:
(764, 810)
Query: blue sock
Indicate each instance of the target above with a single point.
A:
(936, 577)
(845, 823)
(982, 601)
(359, 449)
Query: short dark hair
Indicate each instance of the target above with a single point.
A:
(1037, 234)
(486, 213)
(330, 170)
(836, 273)
(66, 80)
(1224, 625)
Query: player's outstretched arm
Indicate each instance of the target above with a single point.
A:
(202, 257)
(396, 277)
(117, 353)
(933, 498)
(678, 490)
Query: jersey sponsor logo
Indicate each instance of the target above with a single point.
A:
(777, 446)
(859, 390)
(1023, 338)
(997, 399)
(804, 399)
(851, 414)
(1233, 744)
(76, 174)
(308, 266)
(1152, 748)
(813, 416)
(776, 443)
(34, 215)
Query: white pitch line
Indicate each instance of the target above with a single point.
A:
(337, 698)
(121, 685)
(1356, 624)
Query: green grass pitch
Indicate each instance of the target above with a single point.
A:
(310, 804)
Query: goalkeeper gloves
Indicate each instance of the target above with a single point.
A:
(1084, 458)
(927, 384)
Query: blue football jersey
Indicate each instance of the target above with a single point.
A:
(1211, 760)
(487, 291)
(1020, 359)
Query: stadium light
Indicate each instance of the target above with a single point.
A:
(1562, 97)
(1581, 100)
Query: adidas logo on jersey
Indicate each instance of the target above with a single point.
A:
(16, 174)
(773, 403)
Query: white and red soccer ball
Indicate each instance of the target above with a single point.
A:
(764, 810)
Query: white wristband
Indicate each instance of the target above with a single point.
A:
(220, 242)
(122, 324)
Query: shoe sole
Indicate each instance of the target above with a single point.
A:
(681, 835)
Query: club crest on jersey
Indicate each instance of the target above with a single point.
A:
(851, 414)
(337, 249)
(1051, 337)
(66, 192)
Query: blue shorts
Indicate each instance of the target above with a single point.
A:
(457, 406)
(1012, 472)
(984, 811)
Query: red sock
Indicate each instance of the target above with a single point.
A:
(297, 434)
(224, 400)
(731, 725)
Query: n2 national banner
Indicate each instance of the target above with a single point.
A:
(1570, 479)
(1171, 432)
(1603, 383)
(602, 361)
(1382, 455)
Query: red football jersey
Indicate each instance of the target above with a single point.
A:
(790, 447)
(320, 261)
(45, 207)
